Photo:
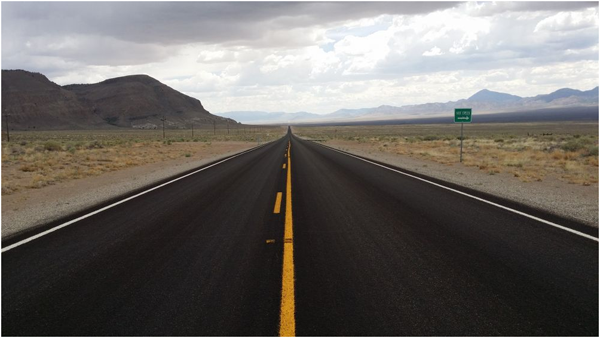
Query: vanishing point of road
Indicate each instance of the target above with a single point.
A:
(295, 238)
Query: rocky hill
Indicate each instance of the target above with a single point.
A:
(137, 101)
(34, 102)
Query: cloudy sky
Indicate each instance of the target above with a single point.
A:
(316, 57)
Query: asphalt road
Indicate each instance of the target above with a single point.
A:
(373, 252)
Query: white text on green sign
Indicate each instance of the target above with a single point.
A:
(462, 115)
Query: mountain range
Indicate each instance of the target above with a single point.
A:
(31, 101)
(484, 101)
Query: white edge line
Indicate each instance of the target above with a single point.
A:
(44, 233)
(468, 195)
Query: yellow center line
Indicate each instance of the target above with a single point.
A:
(277, 208)
(287, 322)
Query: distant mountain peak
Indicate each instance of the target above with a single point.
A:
(488, 95)
(567, 92)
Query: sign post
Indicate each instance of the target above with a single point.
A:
(7, 132)
(462, 116)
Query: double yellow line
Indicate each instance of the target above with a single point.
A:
(287, 320)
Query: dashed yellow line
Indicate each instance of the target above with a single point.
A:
(287, 321)
(284, 166)
(277, 207)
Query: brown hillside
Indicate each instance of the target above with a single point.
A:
(34, 102)
(136, 101)
(139, 100)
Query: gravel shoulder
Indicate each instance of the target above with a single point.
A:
(576, 202)
(30, 208)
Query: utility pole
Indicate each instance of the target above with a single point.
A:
(163, 121)
(7, 132)
(192, 130)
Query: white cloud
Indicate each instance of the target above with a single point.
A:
(363, 53)
(490, 8)
(566, 21)
(435, 51)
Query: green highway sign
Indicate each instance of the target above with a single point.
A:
(462, 115)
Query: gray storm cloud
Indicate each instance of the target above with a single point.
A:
(129, 33)
(187, 22)
(143, 32)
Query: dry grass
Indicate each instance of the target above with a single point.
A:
(528, 151)
(37, 159)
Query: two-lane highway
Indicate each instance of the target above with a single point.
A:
(366, 251)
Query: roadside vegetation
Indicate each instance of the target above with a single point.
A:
(33, 160)
(527, 151)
